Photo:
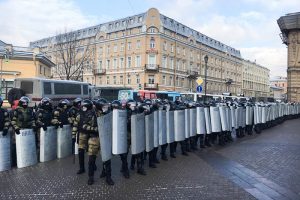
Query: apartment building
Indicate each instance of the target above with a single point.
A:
(154, 52)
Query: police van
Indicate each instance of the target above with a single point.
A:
(38, 88)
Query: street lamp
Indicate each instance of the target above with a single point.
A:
(205, 60)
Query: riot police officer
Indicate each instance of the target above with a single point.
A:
(74, 110)
(103, 108)
(132, 109)
(166, 107)
(23, 116)
(43, 117)
(88, 138)
(60, 114)
(4, 119)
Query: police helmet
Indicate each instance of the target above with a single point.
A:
(77, 102)
(131, 104)
(87, 105)
(24, 101)
(116, 104)
(148, 101)
(45, 102)
(63, 103)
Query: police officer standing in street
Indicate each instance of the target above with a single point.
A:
(4, 119)
(103, 108)
(60, 114)
(88, 138)
(23, 116)
(73, 112)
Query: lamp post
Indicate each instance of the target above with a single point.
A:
(205, 76)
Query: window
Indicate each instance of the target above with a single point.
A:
(164, 81)
(85, 89)
(140, 19)
(122, 47)
(115, 48)
(129, 46)
(152, 43)
(177, 81)
(178, 65)
(114, 80)
(47, 88)
(100, 64)
(128, 79)
(171, 80)
(107, 64)
(164, 62)
(183, 50)
(63, 88)
(107, 80)
(128, 62)
(27, 87)
(178, 50)
(152, 59)
(172, 48)
(137, 61)
(107, 49)
(100, 51)
(151, 79)
(182, 82)
(41, 69)
(44, 70)
(172, 63)
(138, 44)
(115, 63)
(165, 47)
(121, 62)
(100, 80)
(121, 80)
(152, 30)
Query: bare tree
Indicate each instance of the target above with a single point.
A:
(72, 55)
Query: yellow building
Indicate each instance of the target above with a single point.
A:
(255, 79)
(21, 62)
(152, 51)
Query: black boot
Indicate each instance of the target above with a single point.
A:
(202, 143)
(195, 142)
(172, 151)
(81, 161)
(103, 173)
(151, 159)
(183, 148)
(187, 145)
(163, 152)
(140, 165)
(107, 165)
(207, 138)
(132, 163)
(92, 160)
(124, 169)
(155, 155)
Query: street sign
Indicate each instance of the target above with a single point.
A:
(199, 88)
(199, 81)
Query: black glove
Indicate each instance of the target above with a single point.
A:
(35, 129)
(17, 131)
(5, 131)
(45, 128)
(56, 126)
(61, 125)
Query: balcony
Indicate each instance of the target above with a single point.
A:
(151, 86)
(151, 67)
(99, 71)
(192, 74)
(228, 81)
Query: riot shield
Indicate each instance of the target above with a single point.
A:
(248, 115)
(105, 135)
(48, 144)
(255, 110)
(193, 123)
(64, 141)
(223, 117)
(162, 127)
(228, 114)
(233, 117)
(119, 136)
(207, 120)
(201, 129)
(187, 123)
(137, 133)
(179, 125)
(243, 117)
(170, 126)
(5, 153)
(259, 115)
(149, 132)
(215, 119)
(156, 128)
(264, 114)
(26, 148)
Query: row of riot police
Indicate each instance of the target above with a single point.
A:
(140, 127)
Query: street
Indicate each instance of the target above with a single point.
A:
(264, 166)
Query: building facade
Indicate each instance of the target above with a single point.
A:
(290, 35)
(154, 52)
(255, 79)
(279, 87)
(21, 62)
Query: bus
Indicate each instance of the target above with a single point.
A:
(56, 90)
(108, 93)
(172, 96)
(199, 97)
(140, 95)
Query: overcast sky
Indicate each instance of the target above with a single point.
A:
(247, 25)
